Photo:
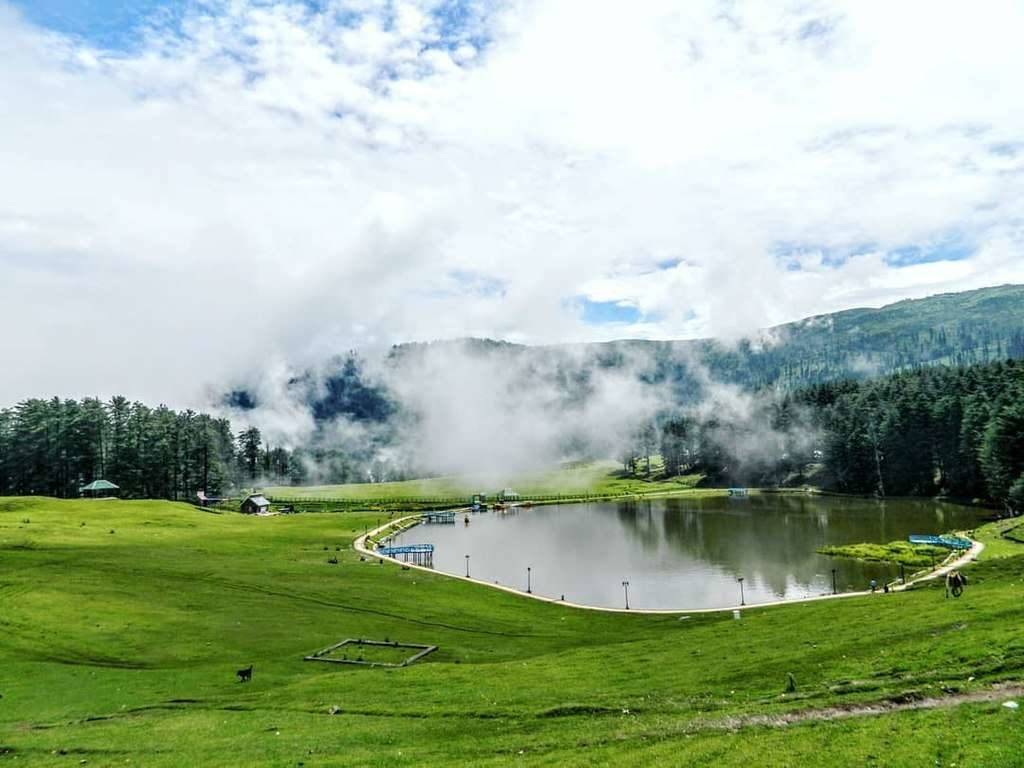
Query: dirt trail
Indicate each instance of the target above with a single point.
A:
(998, 692)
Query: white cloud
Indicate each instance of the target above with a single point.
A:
(273, 182)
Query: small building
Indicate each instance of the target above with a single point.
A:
(98, 488)
(509, 495)
(256, 504)
(208, 501)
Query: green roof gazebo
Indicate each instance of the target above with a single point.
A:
(99, 488)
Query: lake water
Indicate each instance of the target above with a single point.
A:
(678, 553)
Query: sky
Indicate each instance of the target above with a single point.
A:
(190, 191)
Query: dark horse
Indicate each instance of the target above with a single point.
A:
(244, 675)
(955, 583)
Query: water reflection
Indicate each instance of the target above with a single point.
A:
(680, 553)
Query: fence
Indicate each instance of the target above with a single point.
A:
(460, 501)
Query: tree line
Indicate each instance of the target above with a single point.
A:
(55, 447)
(949, 431)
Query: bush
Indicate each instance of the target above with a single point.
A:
(1015, 498)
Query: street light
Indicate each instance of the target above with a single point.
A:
(833, 581)
(529, 591)
(467, 566)
(742, 600)
(625, 587)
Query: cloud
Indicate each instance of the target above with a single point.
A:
(254, 183)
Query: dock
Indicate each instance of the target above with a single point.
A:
(439, 517)
(949, 542)
(421, 554)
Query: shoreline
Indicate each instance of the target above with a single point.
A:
(359, 544)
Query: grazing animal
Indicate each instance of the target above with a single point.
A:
(244, 675)
(955, 583)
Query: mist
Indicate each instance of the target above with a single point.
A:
(495, 411)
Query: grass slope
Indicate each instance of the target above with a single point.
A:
(592, 478)
(122, 624)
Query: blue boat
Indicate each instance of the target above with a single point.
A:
(949, 542)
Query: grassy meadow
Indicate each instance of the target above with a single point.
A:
(122, 624)
(593, 478)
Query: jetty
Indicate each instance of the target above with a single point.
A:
(421, 554)
(949, 542)
(440, 517)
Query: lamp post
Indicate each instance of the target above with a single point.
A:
(625, 587)
(467, 566)
(903, 576)
(833, 581)
(529, 591)
(742, 599)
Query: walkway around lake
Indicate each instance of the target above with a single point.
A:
(363, 544)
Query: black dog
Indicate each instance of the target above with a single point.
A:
(244, 675)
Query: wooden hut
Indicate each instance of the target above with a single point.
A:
(256, 504)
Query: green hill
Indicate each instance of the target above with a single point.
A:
(123, 624)
(953, 329)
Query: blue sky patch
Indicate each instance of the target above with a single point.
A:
(105, 23)
(606, 312)
(117, 24)
(788, 254)
(952, 248)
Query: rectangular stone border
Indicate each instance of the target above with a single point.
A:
(321, 655)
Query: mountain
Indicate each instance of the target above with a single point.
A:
(482, 405)
(948, 329)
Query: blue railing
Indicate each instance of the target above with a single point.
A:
(949, 542)
(408, 549)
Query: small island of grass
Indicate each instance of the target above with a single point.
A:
(899, 552)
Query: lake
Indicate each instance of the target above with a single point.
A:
(681, 553)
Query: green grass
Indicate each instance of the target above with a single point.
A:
(1001, 539)
(900, 552)
(603, 478)
(120, 648)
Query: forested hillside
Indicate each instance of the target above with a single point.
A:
(932, 431)
(955, 431)
(951, 329)
(54, 447)
(899, 400)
